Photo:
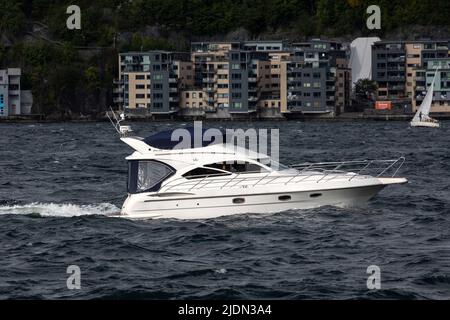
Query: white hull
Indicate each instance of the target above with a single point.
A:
(144, 206)
(425, 124)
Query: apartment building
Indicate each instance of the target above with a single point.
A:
(13, 100)
(318, 79)
(149, 82)
(228, 75)
(237, 79)
(404, 71)
(389, 70)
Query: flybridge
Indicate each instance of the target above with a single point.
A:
(186, 138)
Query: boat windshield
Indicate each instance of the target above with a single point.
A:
(147, 175)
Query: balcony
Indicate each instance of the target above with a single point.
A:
(397, 59)
(396, 68)
(209, 100)
(396, 78)
(173, 80)
(210, 89)
(210, 109)
(209, 80)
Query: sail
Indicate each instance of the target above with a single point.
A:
(425, 107)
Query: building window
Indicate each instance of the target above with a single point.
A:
(140, 96)
(187, 94)
(140, 77)
(194, 95)
(235, 66)
(157, 77)
(140, 86)
(237, 105)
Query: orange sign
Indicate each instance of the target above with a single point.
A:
(383, 105)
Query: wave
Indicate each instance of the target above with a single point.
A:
(60, 210)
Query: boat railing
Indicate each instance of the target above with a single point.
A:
(305, 172)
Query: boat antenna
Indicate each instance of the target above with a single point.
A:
(121, 130)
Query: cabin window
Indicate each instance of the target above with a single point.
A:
(238, 167)
(202, 172)
(147, 176)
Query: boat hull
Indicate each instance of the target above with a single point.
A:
(425, 124)
(198, 207)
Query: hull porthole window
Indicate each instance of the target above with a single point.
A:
(238, 200)
(315, 195)
(284, 198)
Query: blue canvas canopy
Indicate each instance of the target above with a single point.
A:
(184, 138)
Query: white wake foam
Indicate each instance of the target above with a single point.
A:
(60, 210)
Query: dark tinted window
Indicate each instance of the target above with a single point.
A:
(202, 173)
(237, 167)
(147, 175)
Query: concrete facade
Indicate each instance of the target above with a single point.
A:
(13, 100)
(239, 79)
(404, 71)
(150, 81)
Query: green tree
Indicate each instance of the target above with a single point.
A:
(12, 18)
(365, 88)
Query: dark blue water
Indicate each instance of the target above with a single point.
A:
(57, 181)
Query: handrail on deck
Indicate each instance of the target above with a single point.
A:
(326, 170)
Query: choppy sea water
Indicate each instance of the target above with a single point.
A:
(57, 181)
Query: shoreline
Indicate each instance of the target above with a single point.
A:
(356, 117)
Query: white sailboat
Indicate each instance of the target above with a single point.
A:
(422, 117)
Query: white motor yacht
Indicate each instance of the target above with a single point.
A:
(219, 179)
